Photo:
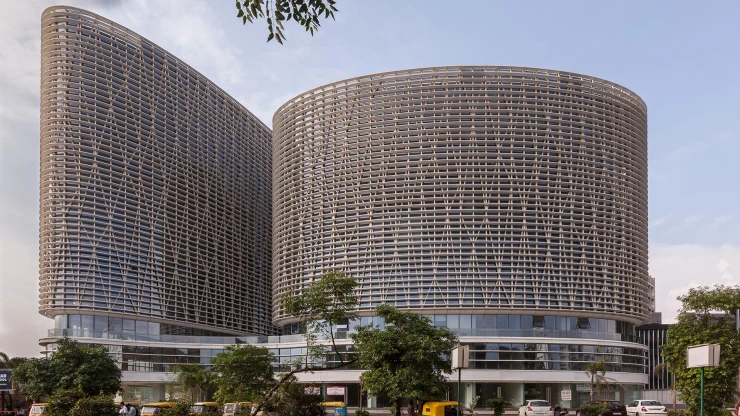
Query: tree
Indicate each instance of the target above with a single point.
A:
(244, 373)
(596, 371)
(10, 363)
(720, 383)
(198, 382)
(659, 370)
(291, 399)
(307, 13)
(71, 366)
(408, 359)
(328, 301)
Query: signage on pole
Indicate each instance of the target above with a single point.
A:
(5, 383)
(565, 395)
(701, 356)
(335, 390)
(461, 357)
(706, 355)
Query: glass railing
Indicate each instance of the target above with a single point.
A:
(339, 335)
(180, 339)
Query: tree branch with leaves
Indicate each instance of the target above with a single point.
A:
(307, 13)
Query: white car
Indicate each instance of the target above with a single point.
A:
(535, 408)
(646, 407)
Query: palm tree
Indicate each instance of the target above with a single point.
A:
(597, 372)
(658, 371)
(4, 360)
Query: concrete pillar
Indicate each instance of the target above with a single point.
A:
(468, 394)
(372, 401)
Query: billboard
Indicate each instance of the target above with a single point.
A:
(335, 390)
(5, 383)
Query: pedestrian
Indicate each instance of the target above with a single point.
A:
(123, 411)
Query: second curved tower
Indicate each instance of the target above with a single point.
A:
(467, 190)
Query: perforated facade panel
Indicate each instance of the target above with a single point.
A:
(155, 185)
(476, 189)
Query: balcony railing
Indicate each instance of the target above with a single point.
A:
(184, 339)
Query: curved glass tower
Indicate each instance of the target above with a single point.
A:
(469, 192)
(155, 190)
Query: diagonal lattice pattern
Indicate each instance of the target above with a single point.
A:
(155, 184)
(470, 189)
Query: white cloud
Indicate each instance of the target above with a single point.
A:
(677, 268)
(721, 220)
(687, 222)
(660, 221)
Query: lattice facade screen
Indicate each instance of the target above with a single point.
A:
(466, 188)
(155, 184)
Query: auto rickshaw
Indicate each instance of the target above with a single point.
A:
(150, 409)
(230, 409)
(333, 406)
(439, 409)
(38, 409)
(204, 407)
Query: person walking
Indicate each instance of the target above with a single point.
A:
(123, 411)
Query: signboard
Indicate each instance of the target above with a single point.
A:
(565, 395)
(5, 383)
(461, 357)
(583, 388)
(335, 390)
(706, 355)
(313, 390)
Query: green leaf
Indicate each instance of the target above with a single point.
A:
(238, 5)
(269, 38)
(241, 13)
(279, 16)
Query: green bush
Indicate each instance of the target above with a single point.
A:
(359, 412)
(62, 401)
(101, 405)
(498, 404)
(181, 408)
(594, 409)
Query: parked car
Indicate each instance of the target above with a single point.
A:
(613, 408)
(646, 407)
(535, 408)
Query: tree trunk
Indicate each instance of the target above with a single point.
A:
(398, 407)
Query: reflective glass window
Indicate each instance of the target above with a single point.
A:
(465, 322)
(101, 323)
(87, 322)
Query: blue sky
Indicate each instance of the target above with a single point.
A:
(681, 57)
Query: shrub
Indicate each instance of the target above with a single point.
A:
(498, 404)
(362, 413)
(594, 409)
(101, 405)
(63, 400)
